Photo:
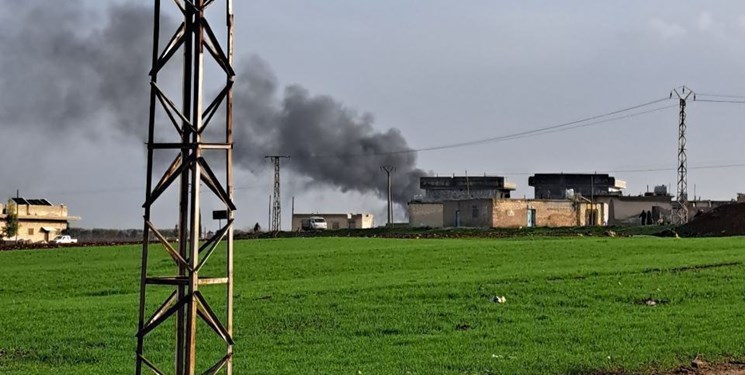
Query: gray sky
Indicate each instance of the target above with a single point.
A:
(441, 72)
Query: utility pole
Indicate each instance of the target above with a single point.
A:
(680, 215)
(276, 202)
(189, 117)
(388, 169)
(292, 217)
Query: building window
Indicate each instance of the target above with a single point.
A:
(474, 211)
(30, 231)
(335, 225)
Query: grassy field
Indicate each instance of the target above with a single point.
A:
(385, 306)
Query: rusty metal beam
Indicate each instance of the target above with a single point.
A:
(186, 304)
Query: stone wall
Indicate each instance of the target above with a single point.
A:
(513, 213)
(507, 213)
(425, 215)
(626, 210)
(468, 213)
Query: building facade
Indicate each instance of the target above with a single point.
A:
(562, 186)
(626, 210)
(438, 189)
(38, 220)
(508, 213)
(337, 221)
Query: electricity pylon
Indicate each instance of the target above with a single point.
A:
(190, 170)
(276, 201)
(681, 210)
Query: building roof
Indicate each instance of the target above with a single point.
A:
(576, 178)
(31, 202)
(349, 215)
(463, 182)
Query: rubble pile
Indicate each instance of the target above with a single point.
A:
(727, 220)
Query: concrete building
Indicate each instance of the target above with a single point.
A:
(561, 185)
(337, 221)
(508, 213)
(429, 210)
(438, 189)
(485, 202)
(626, 210)
(39, 220)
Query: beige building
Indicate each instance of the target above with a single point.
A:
(39, 220)
(626, 210)
(337, 221)
(426, 214)
(507, 213)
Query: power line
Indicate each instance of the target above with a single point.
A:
(721, 101)
(593, 123)
(721, 96)
(635, 170)
(555, 128)
(523, 134)
(718, 166)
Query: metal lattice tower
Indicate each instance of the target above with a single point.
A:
(681, 209)
(189, 171)
(388, 169)
(276, 201)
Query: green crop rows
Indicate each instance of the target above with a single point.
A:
(386, 306)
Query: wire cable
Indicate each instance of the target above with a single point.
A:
(720, 101)
(721, 96)
(523, 134)
(636, 170)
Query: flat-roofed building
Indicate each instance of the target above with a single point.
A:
(336, 221)
(564, 185)
(38, 219)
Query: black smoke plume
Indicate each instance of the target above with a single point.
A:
(56, 78)
(330, 144)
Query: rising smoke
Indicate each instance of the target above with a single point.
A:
(55, 78)
(328, 143)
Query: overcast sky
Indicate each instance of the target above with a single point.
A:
(441, 72)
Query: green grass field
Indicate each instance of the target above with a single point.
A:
(385, 306)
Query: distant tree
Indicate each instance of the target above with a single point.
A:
(11, 220)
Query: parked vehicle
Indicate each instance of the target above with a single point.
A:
(314, 223)
(64, 239)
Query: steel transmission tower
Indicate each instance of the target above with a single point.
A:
(681, 209)
(388, 169)
(276, 201)
(189, 172)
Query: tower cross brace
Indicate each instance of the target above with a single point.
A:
(188, 173)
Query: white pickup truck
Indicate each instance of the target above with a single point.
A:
(64, 240)
(314, 223)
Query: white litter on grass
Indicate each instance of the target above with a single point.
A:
(501, 299)
(499, 356)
